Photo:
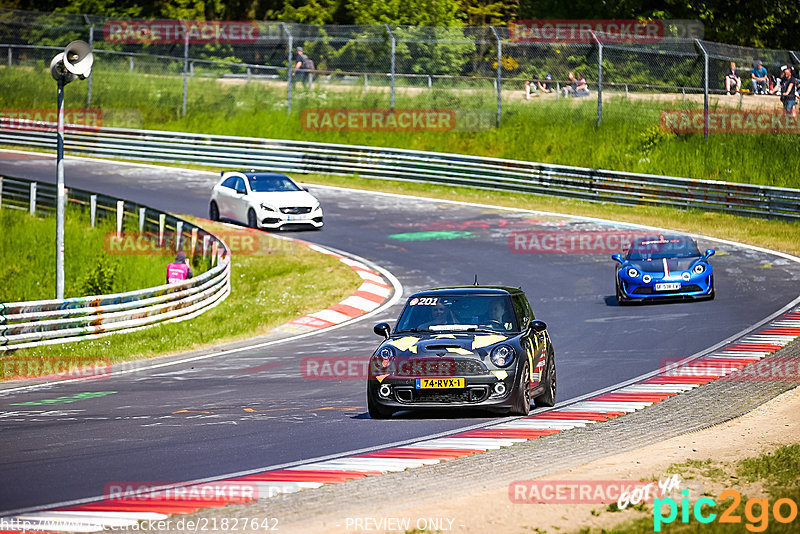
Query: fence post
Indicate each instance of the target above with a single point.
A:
(185, 67)
(130, 63)
(162, 219)
(705, 87)
(288, 70)
(600, 79)
(394, 44)
(32, 199)
(206, 239)
(178, 234)
(499, 75)
(120, 215)
(558, 90)
(194, 239)
(91, 45)
(142, 216)
(1, 192)
(93, 209)
(9, 56)
(365, 83)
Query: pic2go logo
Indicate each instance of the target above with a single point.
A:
(756, 511)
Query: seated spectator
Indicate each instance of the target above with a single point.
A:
(547, 87)
(760, 79)
(732, 79)
(569, 89)
(531, 87)
(582, 89)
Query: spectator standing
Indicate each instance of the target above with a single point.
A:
(732, 79)
(304, 67)
(760, 79)
(788, 90)
(178, 271)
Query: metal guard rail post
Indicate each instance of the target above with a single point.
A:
(419, 166)
(46, 322)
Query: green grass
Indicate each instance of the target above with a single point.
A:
(28, 249)
(268, 288)
(543, 130)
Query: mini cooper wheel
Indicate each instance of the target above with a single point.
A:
(213, 211)
(376, 411)
(522, 394)
(252, 221)
(548, 398)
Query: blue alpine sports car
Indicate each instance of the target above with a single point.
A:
(664, 267)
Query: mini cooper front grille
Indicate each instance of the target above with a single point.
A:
(295, 211)
(472, 394)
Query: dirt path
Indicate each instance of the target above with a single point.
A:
(772, 424)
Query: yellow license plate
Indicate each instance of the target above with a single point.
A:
(439, 383)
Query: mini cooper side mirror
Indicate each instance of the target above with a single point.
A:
(709, 252)
(617, 257)
(538, 326)
(382, 329)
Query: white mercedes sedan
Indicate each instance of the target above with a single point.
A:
(264, 200)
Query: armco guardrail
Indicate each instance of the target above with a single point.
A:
(45, 322)
(399, 164)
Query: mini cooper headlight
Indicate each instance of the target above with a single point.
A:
(699, 268)
(386, 353)
(502, 355)
(646, 278)
(633, 273)
(267, 208)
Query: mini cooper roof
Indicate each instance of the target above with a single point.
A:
(468, 290)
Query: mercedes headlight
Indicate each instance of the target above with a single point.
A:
(502, 355)
(267, 208)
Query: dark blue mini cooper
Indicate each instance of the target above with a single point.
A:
(463, 347)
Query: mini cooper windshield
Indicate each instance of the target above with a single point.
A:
(458, 313)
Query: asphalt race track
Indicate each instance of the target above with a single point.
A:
(254, 409)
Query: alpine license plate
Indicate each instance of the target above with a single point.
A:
(672, 286)
(439, 383)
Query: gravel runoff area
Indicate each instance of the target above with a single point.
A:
(327, 508)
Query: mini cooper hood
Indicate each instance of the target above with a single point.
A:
(425, 344)
(285, 199)
(657, 266)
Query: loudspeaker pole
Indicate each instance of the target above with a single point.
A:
(60, 195)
